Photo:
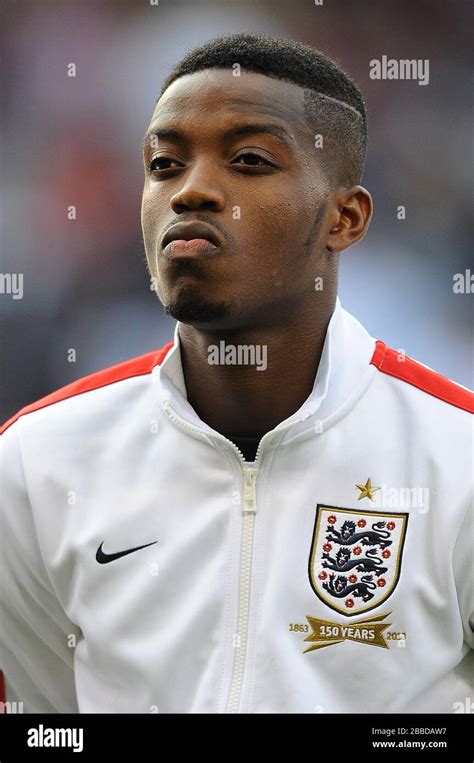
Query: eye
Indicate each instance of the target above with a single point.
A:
(252, 160)
(156, 165)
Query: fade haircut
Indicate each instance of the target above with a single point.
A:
(333, 104)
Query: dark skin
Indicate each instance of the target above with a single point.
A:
(283, 221)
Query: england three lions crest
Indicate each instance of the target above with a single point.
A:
(356, 557)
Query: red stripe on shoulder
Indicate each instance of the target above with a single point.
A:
(139, 366)
(387, 360)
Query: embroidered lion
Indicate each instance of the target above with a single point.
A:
(343, 563)
(347, 536)
(339, 588)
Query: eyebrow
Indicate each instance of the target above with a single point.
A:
(269, 128)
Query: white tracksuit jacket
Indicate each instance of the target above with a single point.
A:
(333, 574)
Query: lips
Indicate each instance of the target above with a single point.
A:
(196, 247)
(190, 232)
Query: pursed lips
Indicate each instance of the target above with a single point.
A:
(190, 237)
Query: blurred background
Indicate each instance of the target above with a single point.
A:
(76, 141)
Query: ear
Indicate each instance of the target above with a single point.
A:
(349, 215)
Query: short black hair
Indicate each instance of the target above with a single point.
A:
(333, 104)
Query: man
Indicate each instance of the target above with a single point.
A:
(271, 513)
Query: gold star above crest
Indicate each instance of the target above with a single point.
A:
(366, 491)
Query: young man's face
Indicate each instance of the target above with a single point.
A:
(261, 192)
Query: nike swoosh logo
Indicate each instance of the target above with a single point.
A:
(104, 558)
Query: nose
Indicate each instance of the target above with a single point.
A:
(199, 190)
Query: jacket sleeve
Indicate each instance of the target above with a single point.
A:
(36, 636)
(463, 566)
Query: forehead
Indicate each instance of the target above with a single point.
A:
(213, 94)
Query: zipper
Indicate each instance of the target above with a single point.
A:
(250, 474)
(240, 647)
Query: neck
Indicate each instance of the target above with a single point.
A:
(240, 399)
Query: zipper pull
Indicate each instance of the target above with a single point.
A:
(250, 502)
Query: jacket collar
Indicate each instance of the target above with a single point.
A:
(343, 374)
